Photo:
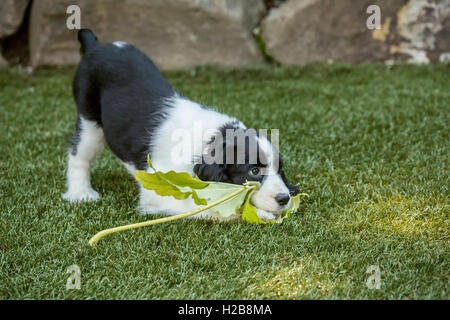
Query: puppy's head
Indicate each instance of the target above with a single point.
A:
(237, 155)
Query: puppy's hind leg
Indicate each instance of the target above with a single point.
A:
(87, 142)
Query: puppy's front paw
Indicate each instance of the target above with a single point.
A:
(265, 215)
(81, 195)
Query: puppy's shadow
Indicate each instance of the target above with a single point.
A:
(116, 183)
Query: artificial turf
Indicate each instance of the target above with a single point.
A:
(368, 143)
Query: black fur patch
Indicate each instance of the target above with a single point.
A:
(123, 92)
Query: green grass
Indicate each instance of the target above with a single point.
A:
(369, 143)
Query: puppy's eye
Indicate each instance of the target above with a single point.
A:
(254, 171)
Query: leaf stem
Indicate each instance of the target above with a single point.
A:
(106, 232)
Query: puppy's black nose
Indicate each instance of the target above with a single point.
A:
(282, 198)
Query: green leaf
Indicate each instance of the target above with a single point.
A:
(218, 190)
(169, 184)
(183, 179)
(249, 212)
(198, 200)
(295, 204)
(152, 181)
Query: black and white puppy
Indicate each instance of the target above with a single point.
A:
(123, 99)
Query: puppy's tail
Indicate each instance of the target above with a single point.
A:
(87, 39)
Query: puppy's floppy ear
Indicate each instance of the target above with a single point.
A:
(211, 172)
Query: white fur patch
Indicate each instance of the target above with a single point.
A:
(178, 140)
(120, 44)
(130, 168)
(273, 184)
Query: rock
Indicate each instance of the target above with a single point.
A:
(307, 31)
(3, 62)
(11, 16)
(174, 33)
(423, 29)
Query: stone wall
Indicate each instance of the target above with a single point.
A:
(11, 17)
(305, 31)
(187, 33)
(175, 33)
